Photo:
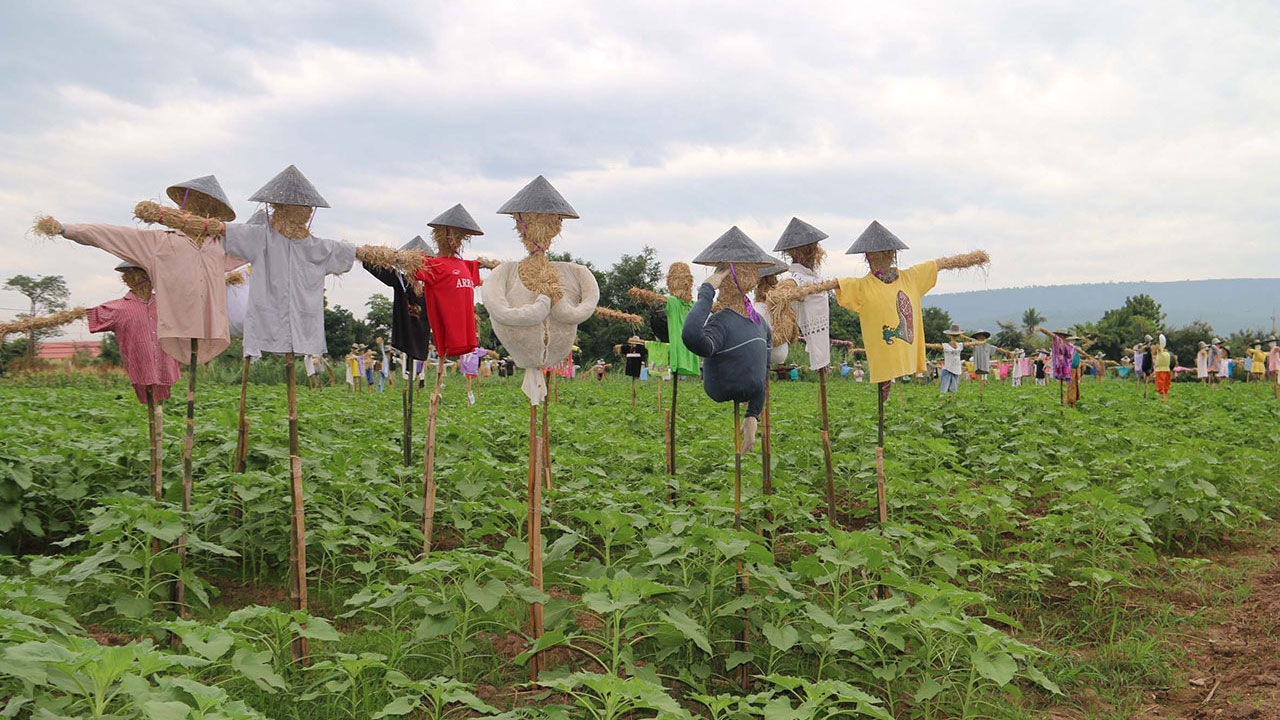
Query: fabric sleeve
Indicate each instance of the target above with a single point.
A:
(571, 313)
(474, 266)
(102, 317)
(246, 241)
(341, 257)
(922, 276)
(500, 308)
(756, 404)
(386, 276)
(136, 246)
(850, 294)
(700, 335)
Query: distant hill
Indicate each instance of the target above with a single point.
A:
(1227, 305)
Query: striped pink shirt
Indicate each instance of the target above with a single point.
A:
(134, 323)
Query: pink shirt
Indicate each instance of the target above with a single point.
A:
(189, 281)
(134, 323)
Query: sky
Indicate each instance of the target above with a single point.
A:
(1074, 141)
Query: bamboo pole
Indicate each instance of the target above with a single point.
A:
(179, 593)
(882, 501)
(744, 677)
(633, 392)
(535, 537)
(297, 525)
(826, 447)
(154, 442)
(242, 436)
(406, 399)
(429, 460)
(671, 424)
(546, 437)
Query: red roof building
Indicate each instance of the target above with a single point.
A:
(68, 350)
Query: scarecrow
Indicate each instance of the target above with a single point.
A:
(887, 301)
(188, 272)
(981, 357)
(286, 298)
(237, 308)
(1273, 365)
(410, 331)
(635, 355)
(1065, 357)
(1202, 362)
(778, 320)
(151, 371)
(535, 306)
(1258, 366)
(676, 304)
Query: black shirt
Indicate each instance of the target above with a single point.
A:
(410, 331)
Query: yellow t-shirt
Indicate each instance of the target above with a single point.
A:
(890, 314)
(1259, 362)
(1162, 360)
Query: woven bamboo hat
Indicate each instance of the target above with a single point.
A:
(538, 197)
(259, 217)
(126, 265)
(774, 269)
(798, 234)
(981, 334)
(635, 340)
(1061, 332)
(876, 238)
(735, 247)
(457, 217)
(417, 243)
(290, 187)
(202, 196)
(953, 330)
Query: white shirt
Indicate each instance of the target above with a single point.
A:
(813, 316)
(951, 357)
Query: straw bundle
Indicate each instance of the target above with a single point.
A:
(732, 292)
(388, 258)
(680, 281)
(193, 226)
(882, 260)
(783, 314)
(46, 226)
(449, 241)
(619, 315)
(538, 229)
(539, 275)
(235, 278)
(138, 282)
(292, 221)
(977, 258)
(43, 322)
(810, 256)
(647, 297)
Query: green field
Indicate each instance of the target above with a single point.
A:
(1009, 580)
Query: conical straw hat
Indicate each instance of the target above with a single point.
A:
(876, 238)
(417, 243)
(734, 247)
(457, 217)
(259, 217)
(290, 187)
(125, 265)
(203, 196)
(798, 234)
(538, 197)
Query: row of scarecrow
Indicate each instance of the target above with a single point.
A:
(535, 306)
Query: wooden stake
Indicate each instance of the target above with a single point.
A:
(744, 675)
(429, 461)
(297, 525)
(407, 400)
(633, 392)
(535, 537)
(826, 447)
(179, 593)
(546, 438)
(882, 500)
(155, 444)
(671, 424)
(659, 384)
(242, 437)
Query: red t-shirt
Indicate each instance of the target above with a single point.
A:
(449, 288)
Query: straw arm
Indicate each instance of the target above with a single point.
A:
(387, 258)
(488, 263)
(1006, 353)
(977, 258)
(185, 222)
(789, 294)
(235, 278)
(1048, 333)
(44, 322)
(646, 296)
(611, 314)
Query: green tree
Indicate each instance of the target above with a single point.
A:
(1031, 319)
(936, 320)
(379, 316)
(47, 293)
(1185, 341)
(110, 349)
(845, 325)
(339, 330)
(1009, 337)
(1123, 326)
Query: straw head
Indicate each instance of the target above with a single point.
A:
(457, 217)
(798, 234)
(538, 197)
(290, 187)
(875, 238)
(204, 196)
(735, 247)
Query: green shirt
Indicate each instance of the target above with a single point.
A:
(683, 361)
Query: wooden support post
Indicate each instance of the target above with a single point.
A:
(633, 392)
(535, 536)
(429, 461)
(546, 436)
(297, 525)
(242, 435)
(671, 424)
(882, 499)
(826, 448)
(179, 592)
(406, 399)
(744, 677)
(155, 442)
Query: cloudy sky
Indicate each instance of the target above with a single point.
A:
(1075, 141)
